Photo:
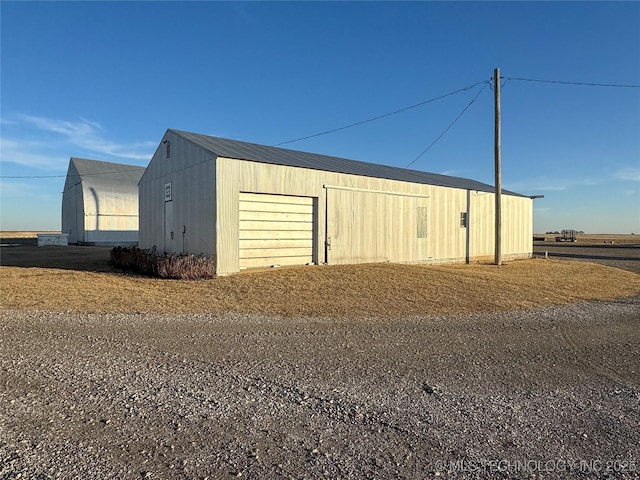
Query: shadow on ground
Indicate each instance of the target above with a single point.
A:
(24, 252)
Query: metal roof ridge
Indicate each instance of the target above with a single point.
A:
(423, 177)
(94, 161)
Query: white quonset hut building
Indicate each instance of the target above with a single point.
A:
(251, 205)
(100, 202)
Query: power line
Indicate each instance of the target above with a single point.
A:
(32, 176)
(616, 85)
(378, 117)
(450, 125)
(73, 175)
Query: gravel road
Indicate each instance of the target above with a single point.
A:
(624, 256)
(547, 393)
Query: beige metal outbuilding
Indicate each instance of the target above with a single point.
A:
(100, 202)
(252, 206)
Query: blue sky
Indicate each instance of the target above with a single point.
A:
(104, 80)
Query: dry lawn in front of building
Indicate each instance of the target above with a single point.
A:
(353, 291)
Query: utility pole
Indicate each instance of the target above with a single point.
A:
(496, 148)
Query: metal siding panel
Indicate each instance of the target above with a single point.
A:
(151, 213)
(517, 226)
(375, 227)
(194, 198)
(481, 224)
(69, 223)
(422, 230)
(339, 226)
(393, 229)
(192, 172)
(80, 221)
(227, 193)
(169, 244)
(447, 239)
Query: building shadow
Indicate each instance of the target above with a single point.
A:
(25, 253)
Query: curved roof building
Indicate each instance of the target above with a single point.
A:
(100, 202)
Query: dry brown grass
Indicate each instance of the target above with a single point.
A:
(23, 233)
(358, 291)
(80, 278)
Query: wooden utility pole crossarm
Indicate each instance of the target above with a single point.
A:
(498, 167)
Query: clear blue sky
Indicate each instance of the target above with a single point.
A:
(104, 80)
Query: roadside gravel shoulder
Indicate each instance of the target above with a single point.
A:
(213, 396)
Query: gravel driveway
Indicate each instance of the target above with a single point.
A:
(548, 393)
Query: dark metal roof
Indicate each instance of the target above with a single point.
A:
(222, 147)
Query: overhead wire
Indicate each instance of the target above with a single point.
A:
(450, 125)
(615, 85)
(378, 117)
(72, 175)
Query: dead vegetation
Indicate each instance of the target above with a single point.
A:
(380, 290)
(181, 266)
(24, 233)
(81, 279)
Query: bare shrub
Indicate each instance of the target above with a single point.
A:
(182, 266)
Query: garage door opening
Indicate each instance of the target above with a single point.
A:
(276, 230)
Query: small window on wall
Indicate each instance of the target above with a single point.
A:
(167, 144)
(463, 219)
(422, 222)
(167, 192)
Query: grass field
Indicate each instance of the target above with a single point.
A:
(24, 233)
(81, 279)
